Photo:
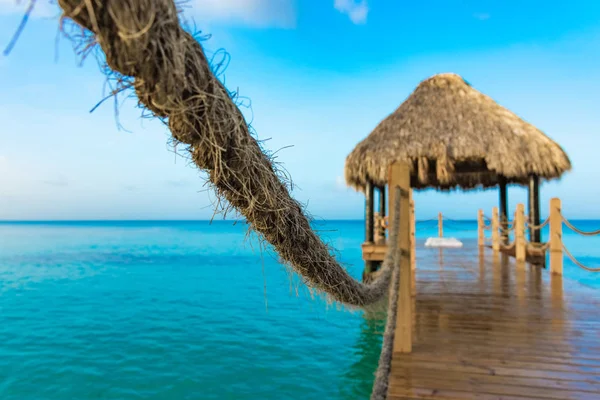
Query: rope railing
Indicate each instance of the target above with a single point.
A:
(576, 262)
(577, 230)
(509, 235)
(532, 226)
(555, 246)
(563, 220)
(447, 219)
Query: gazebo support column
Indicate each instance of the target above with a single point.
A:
(382, 201)
(535, 235)
(379, 229)
(369, 221)
(503, 210)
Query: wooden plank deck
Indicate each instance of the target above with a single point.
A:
(488, 329)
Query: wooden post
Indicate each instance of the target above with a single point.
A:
(400, 177)
(480, 228)
(556, 249)
(495, 230)
(440, 225)
(413, 237)
(413, 245)
(520, 244)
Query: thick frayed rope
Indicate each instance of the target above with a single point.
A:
(143, 40)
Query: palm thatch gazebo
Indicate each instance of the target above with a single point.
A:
(455, 137)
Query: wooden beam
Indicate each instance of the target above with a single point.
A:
(399, 176)
(440, 225)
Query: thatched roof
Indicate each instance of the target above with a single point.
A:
(454, 136)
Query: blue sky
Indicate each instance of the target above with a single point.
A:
(321, 75)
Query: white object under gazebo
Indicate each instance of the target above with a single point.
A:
(443, 242)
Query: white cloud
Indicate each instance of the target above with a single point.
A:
(42, 8)
(257, 13)
(357, 10)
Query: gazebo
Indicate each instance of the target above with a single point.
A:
(455, 137)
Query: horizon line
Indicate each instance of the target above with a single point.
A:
(8, 221)
(186, 220)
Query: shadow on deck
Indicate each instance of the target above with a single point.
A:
(487, 328)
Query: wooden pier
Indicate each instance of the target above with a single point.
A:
(486, 327)
(484, 321)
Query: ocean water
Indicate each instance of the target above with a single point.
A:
(186, 310)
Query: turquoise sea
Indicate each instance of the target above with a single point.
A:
(186, 310)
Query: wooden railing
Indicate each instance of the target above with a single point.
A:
(523, 248)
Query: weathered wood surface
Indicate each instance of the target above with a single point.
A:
(487, 328)
(532, 255)
(374, 251)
